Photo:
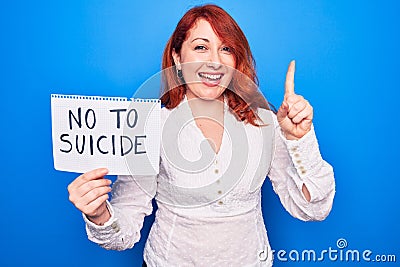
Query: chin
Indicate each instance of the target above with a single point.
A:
(211, 96)
(209, 93)
(208, 98)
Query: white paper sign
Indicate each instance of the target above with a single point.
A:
(117, 133)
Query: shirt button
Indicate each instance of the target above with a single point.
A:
(294, 149)
(218, 181)
(220, 202)
(219, 192)
(115, 226)
(298, 161)
(301, 167)
(216, 171)
(303, 172)
(297, 155)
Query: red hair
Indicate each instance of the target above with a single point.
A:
(243, 96)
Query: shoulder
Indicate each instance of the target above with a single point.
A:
(165, 112)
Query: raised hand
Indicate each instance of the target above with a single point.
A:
(295, 114)
(89, 193)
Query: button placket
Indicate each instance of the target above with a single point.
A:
(216, 172)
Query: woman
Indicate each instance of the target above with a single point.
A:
(208, 196)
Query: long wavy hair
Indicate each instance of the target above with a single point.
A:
(243, 96)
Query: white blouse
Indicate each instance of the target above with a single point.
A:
(209, 204)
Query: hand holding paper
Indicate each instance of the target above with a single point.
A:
(89, 193)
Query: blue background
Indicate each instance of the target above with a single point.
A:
(347, 66)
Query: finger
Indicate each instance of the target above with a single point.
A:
(293, 99)
(90, 175)
(88, 186)
(297, 108)
(282, 111)
(92, 195)
(91, 208)
(305, 125)
(289, 83)
(305, 114)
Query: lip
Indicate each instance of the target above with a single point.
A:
(210, 79)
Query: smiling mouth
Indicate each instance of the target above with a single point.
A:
(211, 76)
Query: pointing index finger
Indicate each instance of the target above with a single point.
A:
(289, 83)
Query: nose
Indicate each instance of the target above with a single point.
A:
(214, 60)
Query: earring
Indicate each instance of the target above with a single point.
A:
(179, 74)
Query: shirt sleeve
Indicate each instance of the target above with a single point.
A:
(298, 162)
(131, 201)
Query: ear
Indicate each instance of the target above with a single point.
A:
(177, 59)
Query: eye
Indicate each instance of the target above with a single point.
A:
(226, 49)
(200, 47)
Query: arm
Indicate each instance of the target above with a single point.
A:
(301, 178)
(129, 205)
(303, 181)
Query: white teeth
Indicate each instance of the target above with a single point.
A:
(210, 76)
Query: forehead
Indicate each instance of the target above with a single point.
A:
(203, 29)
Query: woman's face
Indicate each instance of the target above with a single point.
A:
(207, 64)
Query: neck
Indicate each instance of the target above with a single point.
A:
(210, 108)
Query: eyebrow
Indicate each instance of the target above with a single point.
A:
(199, 38)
